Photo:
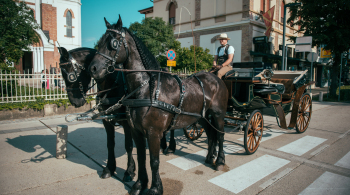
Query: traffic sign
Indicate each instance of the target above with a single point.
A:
(312, 57)
(303, 44)
(171, 55)
(326, 53)
(171, 63)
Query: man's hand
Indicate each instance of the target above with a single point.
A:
(218, 66)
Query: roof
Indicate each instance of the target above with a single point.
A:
(146, 11)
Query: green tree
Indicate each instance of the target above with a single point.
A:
(157, 35)
(17, 30)
(185, 58)
(327, 22)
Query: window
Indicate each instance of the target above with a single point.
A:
(69, 24)
(282, 11)
(172, 8)
(264, 5)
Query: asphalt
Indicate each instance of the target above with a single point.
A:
(28, 164)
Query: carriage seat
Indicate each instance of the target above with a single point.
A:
(288, 87)
(263, 89)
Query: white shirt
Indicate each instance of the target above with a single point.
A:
(230, 50)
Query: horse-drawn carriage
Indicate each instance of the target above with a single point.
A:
(255, 91)
(157, 101)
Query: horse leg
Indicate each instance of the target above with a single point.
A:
(220, 161)
(142, 180)
(153, 145)
(172, 143)
(163, 144)
(108, 171)
(129, 174)
(211, 136)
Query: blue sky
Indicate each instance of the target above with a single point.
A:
(92, 13)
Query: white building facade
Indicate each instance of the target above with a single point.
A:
(60, 23)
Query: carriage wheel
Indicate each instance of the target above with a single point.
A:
(193, 132)
(304, 113)
(253, 132)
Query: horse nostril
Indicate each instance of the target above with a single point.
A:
(93, 69)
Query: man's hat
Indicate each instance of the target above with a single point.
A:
(223, 36)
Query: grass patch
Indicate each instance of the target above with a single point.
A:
(39, 104)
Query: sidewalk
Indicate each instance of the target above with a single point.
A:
(29, 166)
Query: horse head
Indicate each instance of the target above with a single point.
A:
(112, 51)
(74, 66)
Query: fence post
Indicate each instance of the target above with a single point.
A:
(61, 141)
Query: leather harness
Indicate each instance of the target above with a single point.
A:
(132, 103)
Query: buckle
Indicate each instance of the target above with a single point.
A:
(177, 110)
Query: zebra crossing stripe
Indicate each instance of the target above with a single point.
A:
(302, 145)
(344, 162)
(190, 161)
(247, 174)
(271, 133)
(328, 183)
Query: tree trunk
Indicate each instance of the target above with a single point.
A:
(335, 75)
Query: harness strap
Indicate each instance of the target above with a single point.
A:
(204, 102)
(158, 104)
(182, 95)
(157, 90)
(106, 94)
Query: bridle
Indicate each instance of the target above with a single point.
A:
(73, 76)
(116, 45)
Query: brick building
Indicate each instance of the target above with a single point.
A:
(60, 22)
(240, 19)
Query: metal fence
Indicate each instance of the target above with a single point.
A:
(24, 87)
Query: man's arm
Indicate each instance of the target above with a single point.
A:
(215, 59)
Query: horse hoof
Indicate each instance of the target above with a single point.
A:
(135, 192)
(153, 191)
(127, 178)
(106, 173)
(169, 152)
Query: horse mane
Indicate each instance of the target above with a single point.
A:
(80, 49)
(148, 59)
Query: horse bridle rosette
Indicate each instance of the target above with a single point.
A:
(73, 76)
(116, 45)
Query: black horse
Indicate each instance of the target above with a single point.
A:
(74, 65)
(174, 104)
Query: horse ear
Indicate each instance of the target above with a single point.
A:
(64, 53)
(119, 25)
(108, 25)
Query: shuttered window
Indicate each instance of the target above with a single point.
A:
(69, 24)
(172, 13)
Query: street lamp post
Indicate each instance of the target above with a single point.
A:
(284, 31)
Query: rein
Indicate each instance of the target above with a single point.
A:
(159, 71)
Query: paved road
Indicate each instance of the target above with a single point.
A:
(315, 162)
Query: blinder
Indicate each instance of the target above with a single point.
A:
(73, 76)
(115, 45)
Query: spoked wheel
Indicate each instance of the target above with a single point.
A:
(304, 113)
(253, 132)
(193, 132)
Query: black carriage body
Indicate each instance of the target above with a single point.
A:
(248, 91)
